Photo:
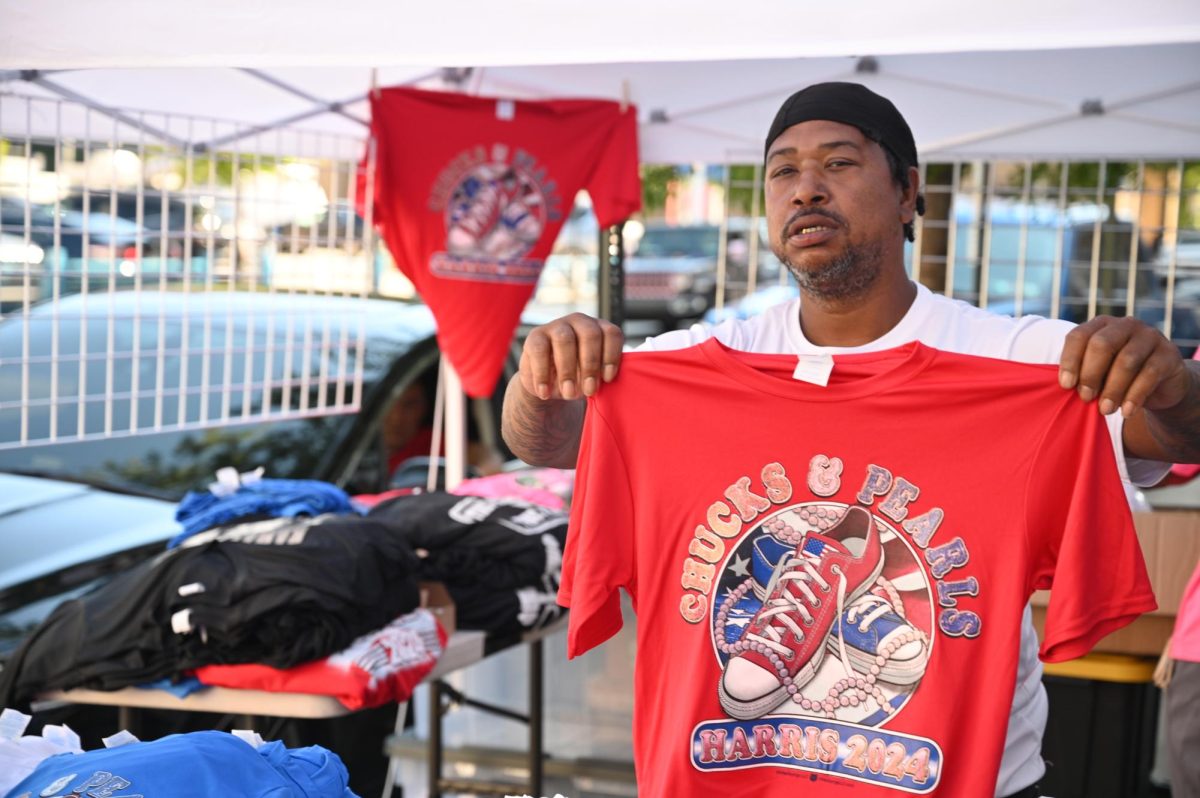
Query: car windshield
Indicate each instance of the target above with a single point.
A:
(169, 463)
(679, 242)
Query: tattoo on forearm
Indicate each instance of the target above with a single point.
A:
(544, 433)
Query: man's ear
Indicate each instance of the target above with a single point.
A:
(908, 196)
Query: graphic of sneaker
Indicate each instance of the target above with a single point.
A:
(870, 628)
(784, 643)
(764, 558)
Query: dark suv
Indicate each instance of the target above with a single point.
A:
(671, 273)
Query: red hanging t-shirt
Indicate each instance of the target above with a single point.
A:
(470, 193)
(829, 581)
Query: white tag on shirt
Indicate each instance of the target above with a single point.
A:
(250, 737)
(181, 622)
(63, 736)
(123, 737)
(13, 724)
(505, 110)
(813, 368)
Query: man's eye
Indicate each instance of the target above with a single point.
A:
(785, 170)
(840, 162)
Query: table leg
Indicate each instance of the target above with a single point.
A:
(389, 785)
(125, 719)
(435, 739)
(536, 717)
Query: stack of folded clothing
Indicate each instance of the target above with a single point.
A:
(549, 487)
(378, 668)
(197, 765)
(500, 559)
(278, 592)
(250, 499)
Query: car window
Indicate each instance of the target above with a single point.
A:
(675, 242)
(185, 381)
(169, 464)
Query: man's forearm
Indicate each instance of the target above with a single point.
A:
(542, 433)
(1176, 430)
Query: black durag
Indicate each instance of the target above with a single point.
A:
(850, 104)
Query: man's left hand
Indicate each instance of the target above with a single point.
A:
(1129, 366)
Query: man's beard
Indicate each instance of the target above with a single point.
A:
(849, 275)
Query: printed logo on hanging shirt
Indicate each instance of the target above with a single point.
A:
(100, 784)
(823, 614)
(497, 203)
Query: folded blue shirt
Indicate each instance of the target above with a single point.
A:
(277, 498)
(197, 765)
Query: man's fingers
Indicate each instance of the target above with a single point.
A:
(1161, 383)
(1075, 344)
(570, 357)
(614, 340)
(537, 364)
(1125, 363)
(565, 355)
(590, 351)
(1127, 366)
(599, 350)
(1141, 387)
(1099, 354)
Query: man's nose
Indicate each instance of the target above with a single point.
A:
(809, 189)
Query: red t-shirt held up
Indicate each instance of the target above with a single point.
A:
(470, 193)
(829, 581)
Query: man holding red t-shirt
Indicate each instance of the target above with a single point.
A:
(842, 190)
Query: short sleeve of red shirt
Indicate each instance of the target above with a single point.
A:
(599, 556)
(1081, 536)
(615, 186)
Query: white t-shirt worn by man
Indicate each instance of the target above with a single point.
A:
(952, 326)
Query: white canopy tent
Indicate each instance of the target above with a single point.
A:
(1071, 80)
(1077, 79)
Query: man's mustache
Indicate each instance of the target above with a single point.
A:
(802, 212)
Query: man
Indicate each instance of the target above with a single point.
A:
(841, 185)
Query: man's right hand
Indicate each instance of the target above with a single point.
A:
(570, 357)
(567, 359)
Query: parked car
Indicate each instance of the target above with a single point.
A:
(222, 328)
(44, 487)
(46, 559)
(345, 232)
(74, 513)
(671, 273)
(18, 261)
(172, 227)
(104, 249)
(106, 238)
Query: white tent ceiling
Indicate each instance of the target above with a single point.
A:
(1079, 78)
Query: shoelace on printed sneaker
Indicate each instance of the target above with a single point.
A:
(878, 607)
(781, 608)
(871, 615)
